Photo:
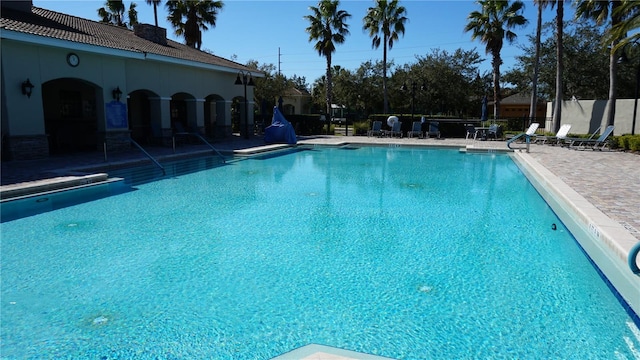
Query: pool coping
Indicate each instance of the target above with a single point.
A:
(605, 240)
(12, 191)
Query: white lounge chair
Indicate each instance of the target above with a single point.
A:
(558, 138)
(526, 136)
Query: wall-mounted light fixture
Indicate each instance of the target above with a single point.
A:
(27, 88)
(116, 93)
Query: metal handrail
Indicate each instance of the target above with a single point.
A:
(149, 156)
(211, 146)
(201, 139)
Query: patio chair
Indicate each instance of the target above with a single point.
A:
(434, 130)
(376, 129)
(555, 140)
(568, 141)
(396, 129)
(416, 130)
(471, 131)
(180, 134)
(495, 132)
(597, 144)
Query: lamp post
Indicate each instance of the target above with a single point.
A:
(623, 60)
(244, 78)
(414, 87)
(635, 101)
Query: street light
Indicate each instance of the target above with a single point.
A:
(414, 86)
(244, 78)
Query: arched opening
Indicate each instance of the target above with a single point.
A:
(143, 130)
(71, 108)
(181, 117)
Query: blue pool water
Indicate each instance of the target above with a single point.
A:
(400, 252)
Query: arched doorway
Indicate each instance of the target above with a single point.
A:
(71, 108)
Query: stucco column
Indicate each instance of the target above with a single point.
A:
(160, 111)
(223, 118)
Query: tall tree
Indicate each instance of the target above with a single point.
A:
(492, 25)
(557, 106)
(536, 65)
(385, 23)
(582, 48)
(601, 12)
(190, 17)
(155, 4)
(114, 13)
(629, 10)
(327, 27)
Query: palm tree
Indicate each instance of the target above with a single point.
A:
(492, 25)
(197, 14)
(155, 4)
(113, 13)
(327, 27)
(536, 64)
(601, 12)
(559, 62)
(386, 19)
(557, 109)
(629, 11)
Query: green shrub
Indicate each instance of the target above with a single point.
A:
(616, 142)
(626, 142)
(332, 129)
(634, 143)
(361, 127)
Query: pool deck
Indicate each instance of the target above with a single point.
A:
(601, 186)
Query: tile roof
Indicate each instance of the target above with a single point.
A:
(517, 99)
(51, 24)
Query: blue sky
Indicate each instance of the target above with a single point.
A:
(260, 30)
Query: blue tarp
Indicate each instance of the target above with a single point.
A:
(280, 131)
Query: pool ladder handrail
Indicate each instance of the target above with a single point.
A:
(633, 257)
(201, 139)
(513, 139)
(149, 156)
(211, 146)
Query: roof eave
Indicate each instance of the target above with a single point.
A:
(130, 54)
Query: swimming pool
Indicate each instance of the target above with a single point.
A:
(401, 252)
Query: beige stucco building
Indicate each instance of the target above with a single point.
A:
(71, 85)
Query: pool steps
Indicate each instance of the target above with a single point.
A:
(33, 198)
(42, 186)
